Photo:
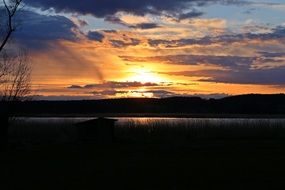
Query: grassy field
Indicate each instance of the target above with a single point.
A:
(148, 157)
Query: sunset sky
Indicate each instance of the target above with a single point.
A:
(94, 49)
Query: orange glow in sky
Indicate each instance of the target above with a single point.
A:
(138, 52)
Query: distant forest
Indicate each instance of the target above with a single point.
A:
(243, 104)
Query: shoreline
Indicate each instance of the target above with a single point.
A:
(158, 115)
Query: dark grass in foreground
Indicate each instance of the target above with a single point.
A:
(204, 165)
(152, 131)
(148, 156)
(187, 131)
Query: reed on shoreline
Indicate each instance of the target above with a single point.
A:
(153, 131)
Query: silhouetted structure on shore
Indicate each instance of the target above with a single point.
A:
(100, 130)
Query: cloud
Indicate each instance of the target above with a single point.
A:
(161, 93)
(277, 33)
(108, 93)
(129, 89)
(273, 76)
(130, 93)
(192, 14)
(271, 5)
(145, 26)
(272, 54)
(233, 69)
(114, 93)
(79, 22)
(110, 31)
(116, 20)
(122, 44)
(233, 62)
(96, 36)
(62, 98)
(114, 84)
(36, 31)
(267, 68)
(249, 11)
(75, 87)
(253, 27)
(111, 7)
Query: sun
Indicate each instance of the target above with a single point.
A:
(144, 76)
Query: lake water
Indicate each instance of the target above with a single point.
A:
(147, 129)
(149, 120)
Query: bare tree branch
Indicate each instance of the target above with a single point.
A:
(15, 68)
(11, 8)
(15, 80)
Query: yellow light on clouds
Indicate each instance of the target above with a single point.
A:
(144, 76)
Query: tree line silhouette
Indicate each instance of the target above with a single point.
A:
(242, 104)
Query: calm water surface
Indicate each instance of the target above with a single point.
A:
(148, 120)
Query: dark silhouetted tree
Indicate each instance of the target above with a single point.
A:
(8, 24)
(15, 74)
(15, 68)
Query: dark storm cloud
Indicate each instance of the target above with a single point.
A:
(36, 30)
(102, 8)
(96, 36)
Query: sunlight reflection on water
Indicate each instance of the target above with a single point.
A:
(148, 120)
